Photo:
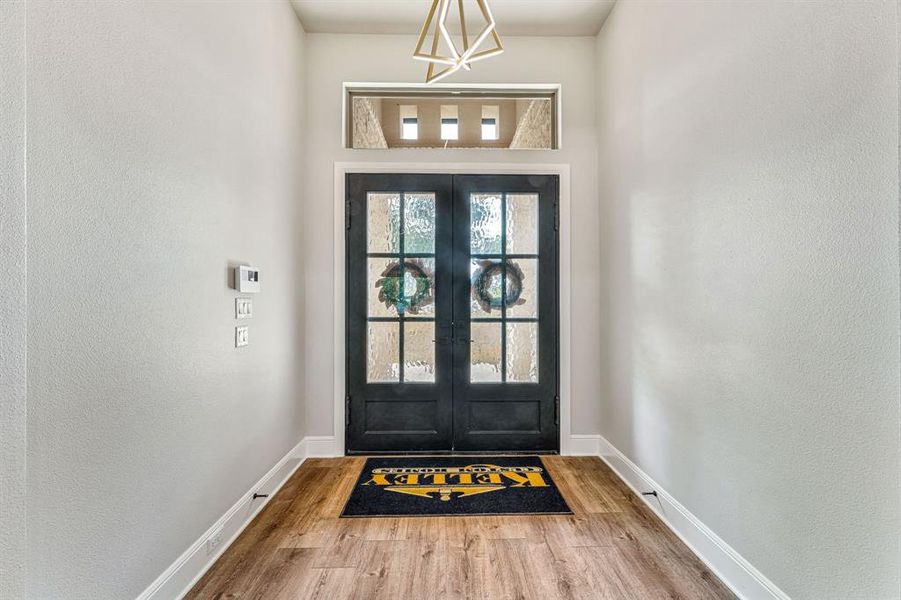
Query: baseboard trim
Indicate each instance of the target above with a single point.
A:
(733, 569)
(186, 571)
(582, 445)
(322, 446)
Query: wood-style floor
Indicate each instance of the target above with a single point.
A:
(612, 547)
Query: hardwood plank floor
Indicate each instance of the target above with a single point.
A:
(612, 547)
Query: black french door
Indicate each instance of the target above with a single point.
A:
(452, 312)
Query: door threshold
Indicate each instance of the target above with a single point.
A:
(454, 453)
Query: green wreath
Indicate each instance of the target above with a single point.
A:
(484, 278)
(391, 287)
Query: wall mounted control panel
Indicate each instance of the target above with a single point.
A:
(247, 279)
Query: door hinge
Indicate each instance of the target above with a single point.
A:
(347, 410)
(347, 214)
(556, 410)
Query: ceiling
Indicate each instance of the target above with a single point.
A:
(513, 17)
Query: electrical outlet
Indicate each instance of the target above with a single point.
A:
(242, 336)
(214, 541)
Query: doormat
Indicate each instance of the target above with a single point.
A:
(454, 485)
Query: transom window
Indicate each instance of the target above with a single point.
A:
(485, 116)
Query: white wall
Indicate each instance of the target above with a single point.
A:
(748, 179)
(163, 147)
(333, 59)
(12, 300)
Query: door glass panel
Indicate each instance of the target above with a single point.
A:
(522, 223)
(383, 349)
(383, 222)
(485, 354)
(522, 352)
(419, 351)
(486, 278)
(419, 286)
(389, 293)
(419, 223)
(399, 286)
(504, 288)
(380, 282)
(522, 287)
(486, 219)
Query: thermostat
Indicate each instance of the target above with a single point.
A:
(247, 279)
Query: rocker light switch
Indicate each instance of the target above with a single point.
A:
(241, 336)
(243, 308)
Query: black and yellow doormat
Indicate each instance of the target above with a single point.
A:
(454, 485)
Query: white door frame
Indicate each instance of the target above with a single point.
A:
(568, 444)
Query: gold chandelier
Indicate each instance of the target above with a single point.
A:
(456, 59)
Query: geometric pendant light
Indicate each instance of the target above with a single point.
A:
(455, 59)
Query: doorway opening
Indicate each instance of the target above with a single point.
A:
(452, 336)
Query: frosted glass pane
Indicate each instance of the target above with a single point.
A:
(485, 288)
(419, 223)
(419, 352)
(522, 352)
(419, 286)
(485, 352)
(383, 222)
(380, 280)
(485, 224)
(522, 223)
(389, 295)
(522, 287)
(382, 350)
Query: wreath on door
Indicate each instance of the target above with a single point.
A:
(392, 286)
(489, 275)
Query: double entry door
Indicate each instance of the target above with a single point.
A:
(451, 313)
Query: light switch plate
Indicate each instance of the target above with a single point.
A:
(241, 336)
(243, 308)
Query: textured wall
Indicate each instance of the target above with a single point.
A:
(748, 177)
(12, 299)
(534, 127)
(367, 131)
(332, 59)
(163, 142)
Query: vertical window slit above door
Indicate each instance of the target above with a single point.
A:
(409, 122)
(449, 122)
